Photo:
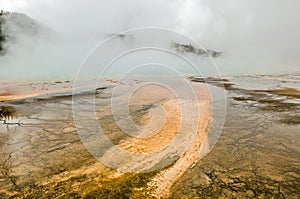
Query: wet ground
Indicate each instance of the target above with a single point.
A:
(43, 156)
(257, 155)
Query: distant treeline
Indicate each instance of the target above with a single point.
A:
(190, 48)
(5, 12)
(2, 36)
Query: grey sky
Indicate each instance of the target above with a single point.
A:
(256, 36)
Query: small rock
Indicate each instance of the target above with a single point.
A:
(250, 193)
(69, 130)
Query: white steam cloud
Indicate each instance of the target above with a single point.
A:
(255, 36)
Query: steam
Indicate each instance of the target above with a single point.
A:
(254, 36)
